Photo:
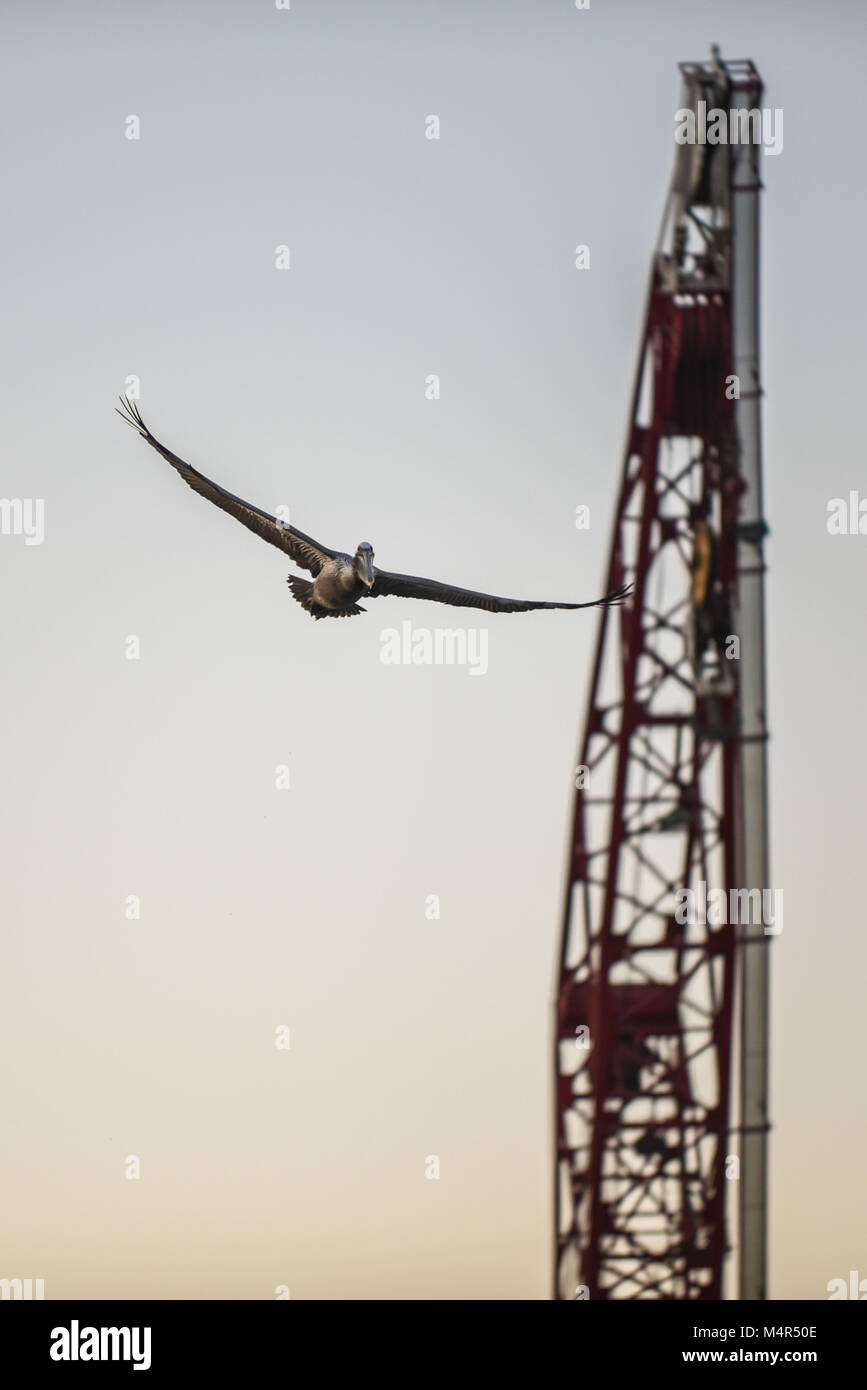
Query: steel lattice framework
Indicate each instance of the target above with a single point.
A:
(645, 1002)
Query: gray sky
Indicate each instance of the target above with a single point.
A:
(306, 907)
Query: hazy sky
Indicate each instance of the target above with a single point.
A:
(155, 777)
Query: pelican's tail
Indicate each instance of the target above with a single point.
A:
(302, 592)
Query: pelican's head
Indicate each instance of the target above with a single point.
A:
(364, 564)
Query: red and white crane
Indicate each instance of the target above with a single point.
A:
(653, 1012)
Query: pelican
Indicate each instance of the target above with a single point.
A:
(339, 580)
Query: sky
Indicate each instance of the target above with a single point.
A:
(161, 686)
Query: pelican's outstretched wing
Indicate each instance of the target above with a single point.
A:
(307, 553)
(409, 586)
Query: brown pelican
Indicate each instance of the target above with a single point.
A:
(339, 580)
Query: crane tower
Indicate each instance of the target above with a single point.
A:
(657, 998)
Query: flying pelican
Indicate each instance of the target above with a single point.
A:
(340, 580)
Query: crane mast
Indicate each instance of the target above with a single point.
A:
(670, 805)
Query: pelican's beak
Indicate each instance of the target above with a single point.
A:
(365, 568)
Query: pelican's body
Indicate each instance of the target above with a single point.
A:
(339, 580)
(337, 584)
(337, 588)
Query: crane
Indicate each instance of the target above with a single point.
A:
(661, 1005)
